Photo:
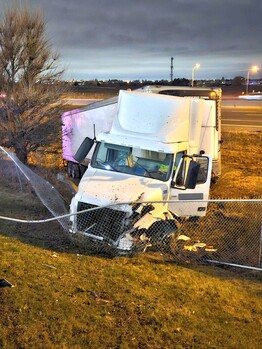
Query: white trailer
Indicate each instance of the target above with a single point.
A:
(80, 123)
(157, 154)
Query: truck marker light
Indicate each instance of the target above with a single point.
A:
(201, 209)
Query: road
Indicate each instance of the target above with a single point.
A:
(80, 102)
(239, 115)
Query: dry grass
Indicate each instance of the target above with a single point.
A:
(241, 166)
(64, 298)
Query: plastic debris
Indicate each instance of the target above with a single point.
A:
(210, 249)
(190, 248)
(5, 283)
(183, 237)
(200, 244)
(49, 266)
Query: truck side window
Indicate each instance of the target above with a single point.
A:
(180, 176)
(202, 174)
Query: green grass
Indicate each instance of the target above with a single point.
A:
(65, 298)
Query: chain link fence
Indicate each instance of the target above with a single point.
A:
(231, 231)
(20, 178)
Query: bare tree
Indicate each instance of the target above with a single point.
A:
(30, 75)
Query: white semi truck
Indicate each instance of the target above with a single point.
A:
(162, 149)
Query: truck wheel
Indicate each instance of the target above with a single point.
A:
(176, 248)
(73, 170)
(69, 168)
(161, 233)
(164, 237)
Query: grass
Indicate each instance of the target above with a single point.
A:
(64, 298)
(241, 167)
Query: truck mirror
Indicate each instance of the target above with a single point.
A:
(187, 174)
(192, 175)
(84, 149)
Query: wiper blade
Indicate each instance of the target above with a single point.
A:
(143, 168)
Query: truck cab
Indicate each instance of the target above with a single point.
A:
(143, 171)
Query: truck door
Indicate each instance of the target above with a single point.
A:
(189, 201)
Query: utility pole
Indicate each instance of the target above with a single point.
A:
(171, 68)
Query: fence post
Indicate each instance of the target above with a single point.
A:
(19, 179)
(260, 249)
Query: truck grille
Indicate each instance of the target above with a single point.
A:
(102, 222)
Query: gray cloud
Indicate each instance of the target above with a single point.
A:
(135, 39)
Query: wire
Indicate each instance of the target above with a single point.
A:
(119, 204)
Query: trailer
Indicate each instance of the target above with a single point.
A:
(77, 124)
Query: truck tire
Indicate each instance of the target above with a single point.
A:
(162, 234)
(69, 168)
(73, 170)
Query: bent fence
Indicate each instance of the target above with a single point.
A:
(231, 231)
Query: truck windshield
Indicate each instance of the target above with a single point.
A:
(135, 161)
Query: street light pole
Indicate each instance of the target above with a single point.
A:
(193, 73)
(247, 82)
(254, 69)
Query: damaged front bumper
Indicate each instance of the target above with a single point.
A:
(123, 229)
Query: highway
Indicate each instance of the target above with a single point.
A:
(237, 114)
(241, 115)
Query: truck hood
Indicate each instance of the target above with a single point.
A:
(105, 188)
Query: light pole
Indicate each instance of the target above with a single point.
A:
(254, 69)
(197, 66)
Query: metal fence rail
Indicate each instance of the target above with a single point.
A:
(231, 232)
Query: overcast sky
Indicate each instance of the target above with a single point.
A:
(135, 39)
